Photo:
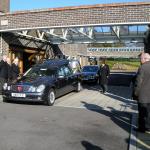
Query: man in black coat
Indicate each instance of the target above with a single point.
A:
(3, 72)
(9, 77)
(15, 69)
(143, 93)
(142, 61)
(104, 75)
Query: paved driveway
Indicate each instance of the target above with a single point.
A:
(118, 98)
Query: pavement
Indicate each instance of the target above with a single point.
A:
(117, 99)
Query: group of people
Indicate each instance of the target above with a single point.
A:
(141, 91)
(8, 72)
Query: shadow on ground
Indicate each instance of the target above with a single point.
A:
(89, 146)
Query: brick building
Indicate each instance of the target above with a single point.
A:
(25, 46)
(4, 6)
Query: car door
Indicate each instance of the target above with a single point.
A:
(70, 78)
(61, 82)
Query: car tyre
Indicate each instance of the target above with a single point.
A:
(5, 100)
(51, 97)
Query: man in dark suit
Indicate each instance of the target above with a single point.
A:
(9, 76)
(104, 75)
(15, 69)
(143, 93)
(3, 72)
(142, 61)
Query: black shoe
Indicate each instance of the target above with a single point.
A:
(147, 130)
(104, 92)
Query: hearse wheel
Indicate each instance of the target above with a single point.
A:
(51, 97)
(79, 87)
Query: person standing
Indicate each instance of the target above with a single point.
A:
(142, 91)
(9, 77)
(3, 72)
(15, 69)
(142, 61)
(104, 75)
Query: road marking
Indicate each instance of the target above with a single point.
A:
(144, 144)
(130, 100)
(133, 135)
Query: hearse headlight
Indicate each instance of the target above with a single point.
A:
(40, 88)
(8, 88)
(32, 89)
(5, 86)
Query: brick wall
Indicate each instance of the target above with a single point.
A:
(4, 47)
(73, 49)
(73, 16)
(76, 50)
(4, 5)
(81, 50)
(115, 54)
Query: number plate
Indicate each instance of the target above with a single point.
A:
(18, 95)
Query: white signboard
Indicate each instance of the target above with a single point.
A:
(4, 22)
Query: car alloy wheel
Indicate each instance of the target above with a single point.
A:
(79, 87)
(51, 98)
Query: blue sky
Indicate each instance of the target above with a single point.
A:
(40, 4)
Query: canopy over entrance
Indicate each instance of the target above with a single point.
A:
(128, 34)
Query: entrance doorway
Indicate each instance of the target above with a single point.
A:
(27, 61)
(30, 58)
(27, 57)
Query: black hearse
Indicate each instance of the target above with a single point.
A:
(43, 82)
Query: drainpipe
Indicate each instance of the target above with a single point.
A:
(1, 48)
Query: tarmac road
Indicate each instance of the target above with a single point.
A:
(122, 78)
(27, 126)
(37, 127)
